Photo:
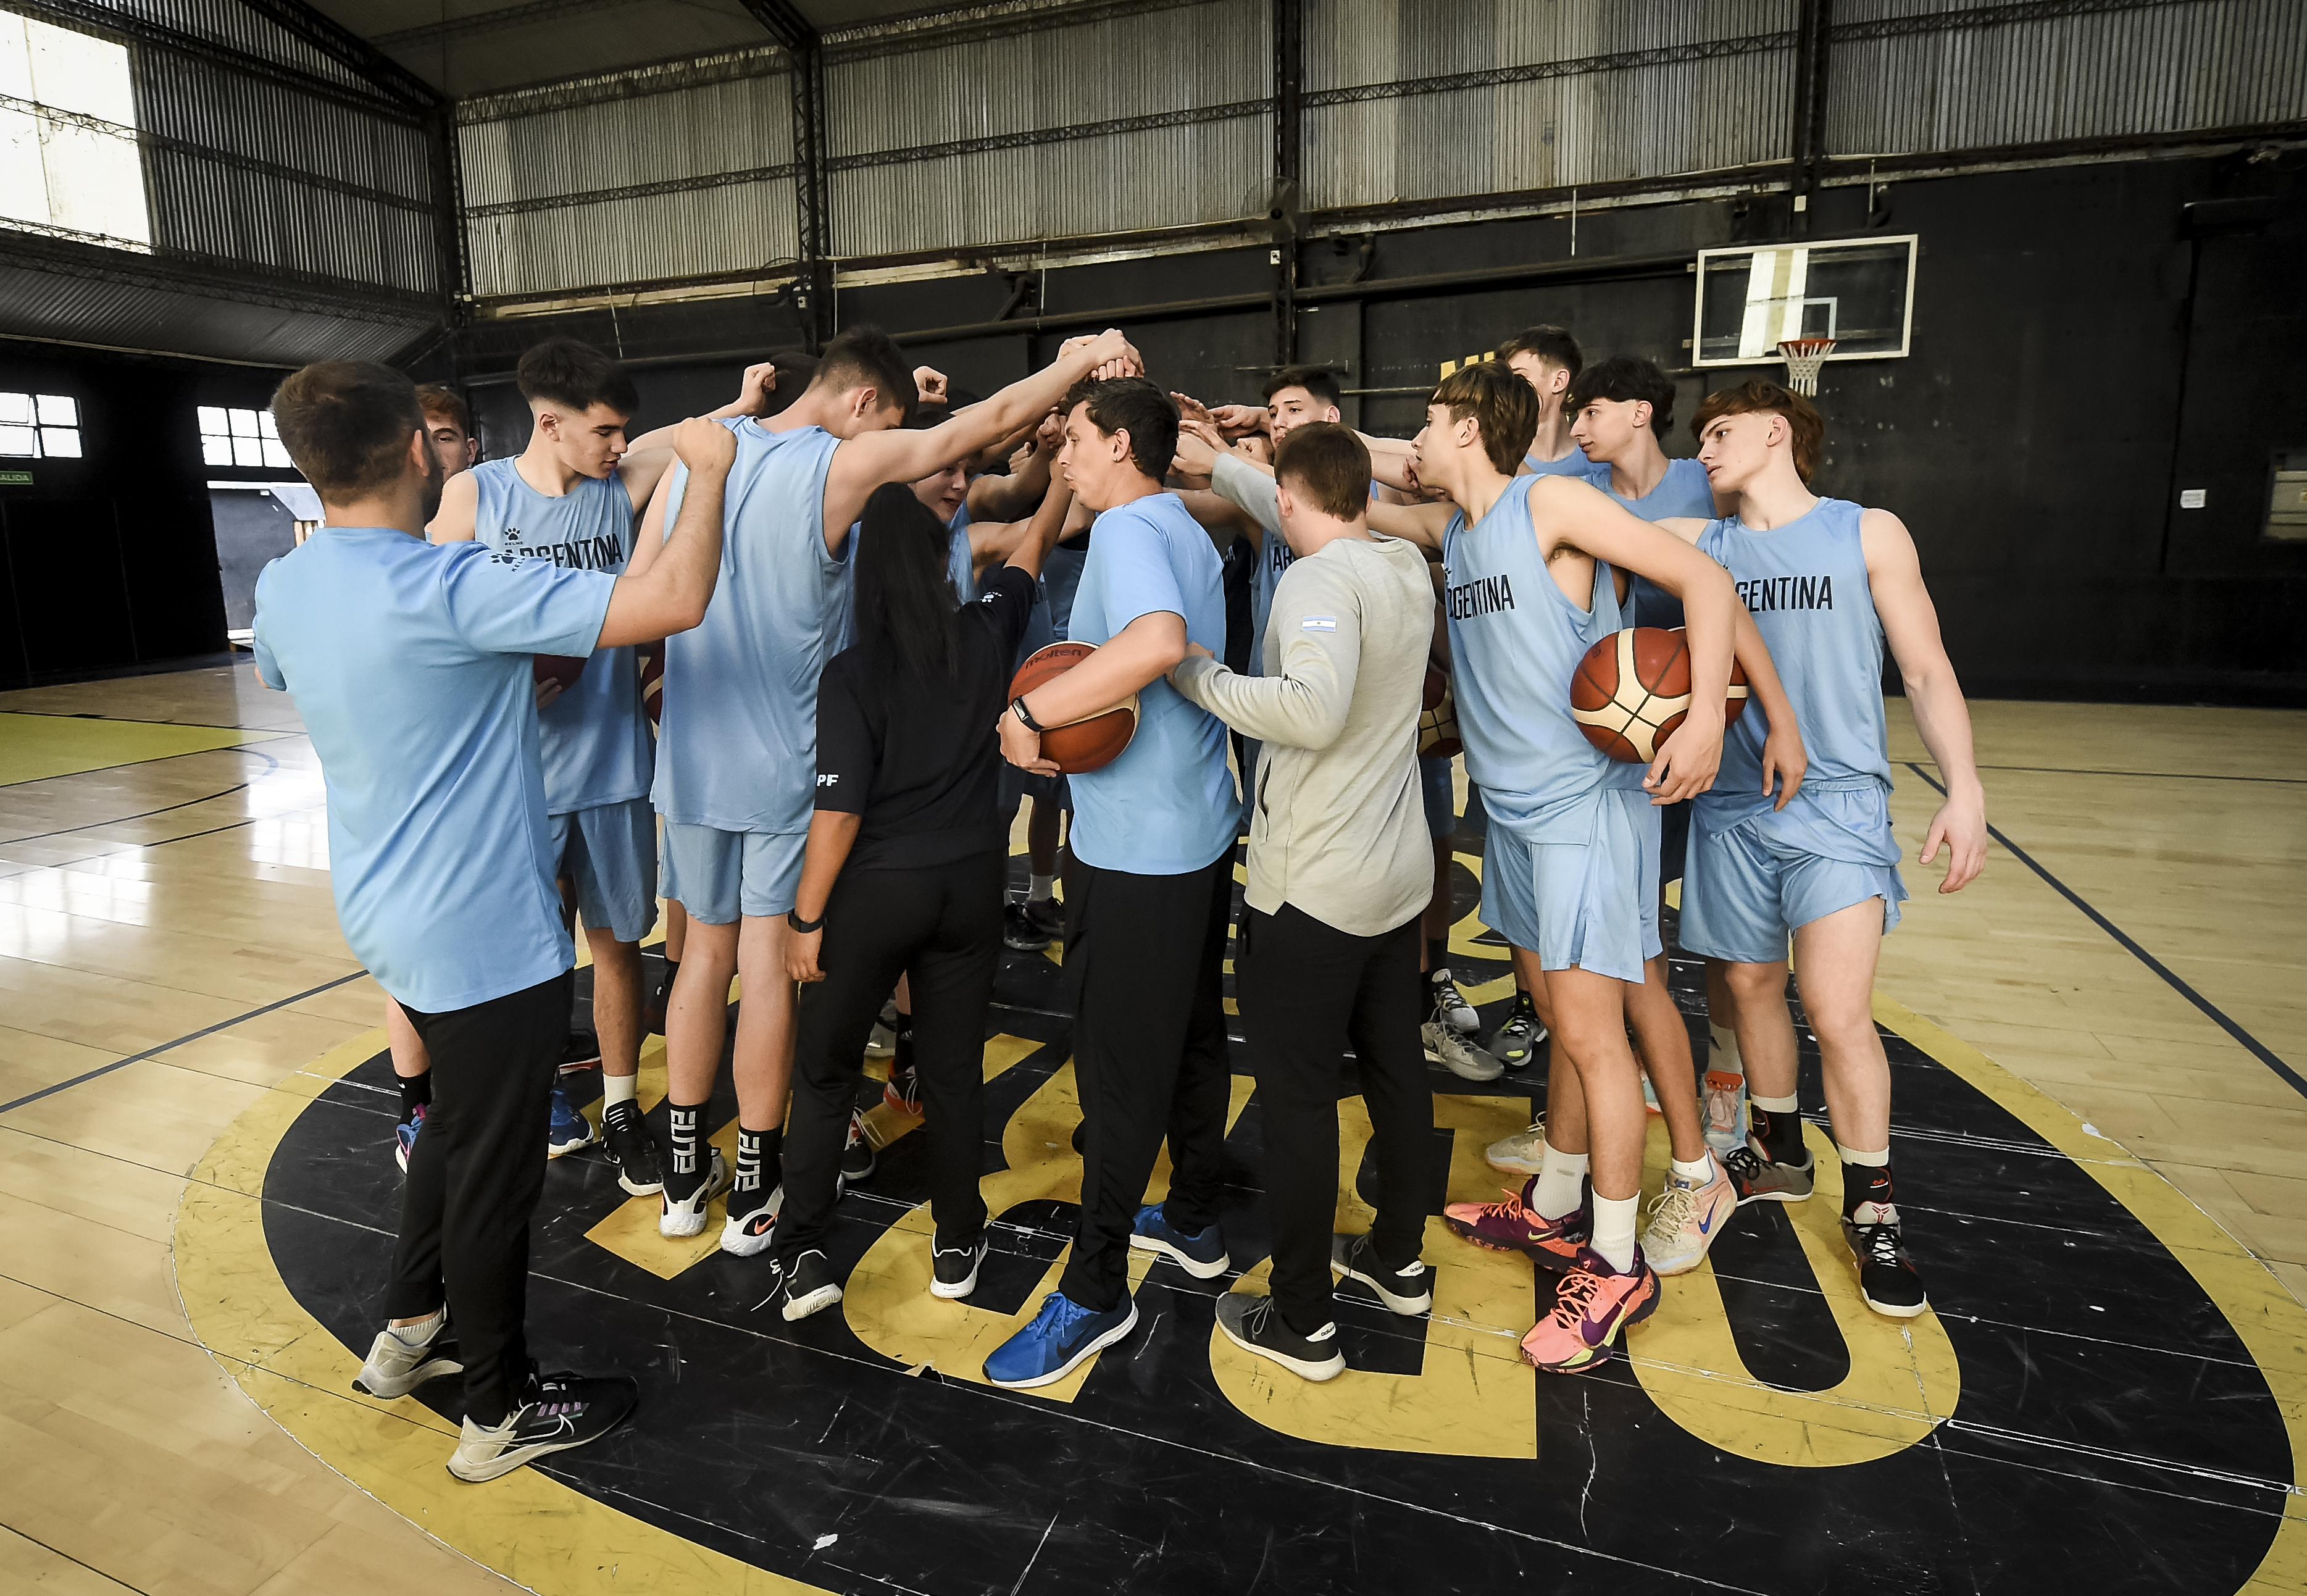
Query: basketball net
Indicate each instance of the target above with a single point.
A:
(1804, 357)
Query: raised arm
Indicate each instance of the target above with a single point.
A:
(668, 592)
(1421, 524)
(1025, 544)
(1910, 624)
(651, 455)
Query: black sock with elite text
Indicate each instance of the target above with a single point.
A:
(760, 1168)
(688, 1154)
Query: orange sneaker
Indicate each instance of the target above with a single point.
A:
(1593, 1303)
(1511, 1226)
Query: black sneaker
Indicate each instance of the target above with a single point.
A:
(1018, 930)
(1049, 915)
(582, 1050)
(556, 1411)
(957, 1267)
(625, 1137)
(1408, 1291)
(1255, 1325)
(1887, 1280)
(805, 1285)
(1516, 1042)
(857, 1157)
(903, 1091)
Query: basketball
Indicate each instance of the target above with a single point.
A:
(1633, 689)
(563, 668)
(1091, 742)
(1438, 718)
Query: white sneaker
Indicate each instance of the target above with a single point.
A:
(687, 1218)
(1685, 1219)
(395, 1367)
(1446, 1047)
(746, 1234)
(556, 1411)
(1450, 1005)
(882, 1041)
(1726, 1110)
(1521, 1154)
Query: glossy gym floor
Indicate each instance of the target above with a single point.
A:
(2098, 1051)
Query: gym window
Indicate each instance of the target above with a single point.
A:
(38, 426)
(240, 438)
(69, 163)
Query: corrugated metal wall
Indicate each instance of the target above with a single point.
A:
(1410, 100)
(1905, 78)
(632, 177)
(1149, 117)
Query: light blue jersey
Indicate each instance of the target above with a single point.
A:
(959, 565)
(1806, 585)
(1516, 640)
(409, 662)
(737, 737)
(594, 744)
(1273, 558)
(1167, 805)
(1573, 464)
(1683, 491)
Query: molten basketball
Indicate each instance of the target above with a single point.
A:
(1091, 742)
(563, 668)
(1438, 718)
(1633, 689)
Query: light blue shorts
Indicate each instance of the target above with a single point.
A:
(1745, 888)
(1441, 797)
(716, 875)
(609, 854)
(1592, 904)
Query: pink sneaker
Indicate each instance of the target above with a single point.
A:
(1592, 1305)
(1510, 1226)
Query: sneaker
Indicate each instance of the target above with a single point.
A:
(1408, 1290)
(903, 1094)
(747, 1233)
(394, 1367)
(1049, 917)
(858, 1160)
(1887, 1281)
(569, 1129)
(685, 1217)
(625, 1135)
(1444, 1046)
(955, 1268)
(883, 1039)
(1521, 1154)
(557, 1412)
(404, 1136)
(1511, 1227)
(1450, 1005)
(1201, 1253)
(1061, 1336)
(1650, 1095)
(1593, 1303)
(1020, 931)
(1685, 1218)
(582, 1050)
(1257, 1326)
(805, 1285)
(1516, 1042)
(1760, 1180)
(1725, 1111)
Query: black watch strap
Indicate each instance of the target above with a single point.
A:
(1024, 716)
(793, 919)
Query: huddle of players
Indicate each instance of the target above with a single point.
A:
(1535, 570)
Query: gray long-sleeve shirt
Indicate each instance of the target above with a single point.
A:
(1338, 827)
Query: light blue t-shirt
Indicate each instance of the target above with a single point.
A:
(1167, 805)
(1683, 490)
(1573, 464)
(409, 662)
(1515, 641)
(594, 746)
(737, 734)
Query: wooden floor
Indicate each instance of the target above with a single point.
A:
(169, 955)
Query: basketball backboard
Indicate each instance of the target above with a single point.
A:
(1859, 292)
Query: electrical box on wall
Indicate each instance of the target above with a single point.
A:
(2286, 497)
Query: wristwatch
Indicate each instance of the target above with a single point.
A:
(1024, 716)
(793, 919)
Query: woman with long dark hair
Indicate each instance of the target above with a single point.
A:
(904, 873)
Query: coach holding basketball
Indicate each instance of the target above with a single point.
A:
(410, 662)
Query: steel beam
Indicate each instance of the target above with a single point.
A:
(804, 43)
(348, 49)
(1289, 146)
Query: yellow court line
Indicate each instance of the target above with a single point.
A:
(37, 747)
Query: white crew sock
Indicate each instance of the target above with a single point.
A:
(1614, 1229)
(1043, 889)
(1776, 1105)
(619, 1088)
(1724, 1055)
(1873, 1161)
(1699, 1171)
(1559, 1178)
(422, 1331)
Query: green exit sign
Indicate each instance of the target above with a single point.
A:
(15, 479)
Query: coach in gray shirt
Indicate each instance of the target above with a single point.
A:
(1340, 869)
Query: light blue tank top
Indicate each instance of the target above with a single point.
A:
(959, 566)
(1573, 464)
(1683, 491)
(1806, 585)
(737, 736)
(1273, 558)
(591, 739)
(1061, 577)
(1516, 641)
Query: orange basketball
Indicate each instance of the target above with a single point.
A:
(563, 668)
(1091, 742)
(1633, 689)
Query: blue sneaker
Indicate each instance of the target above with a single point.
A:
(1201, 1253)
(404, 1137)
(1061, 1336)
(569, 1130)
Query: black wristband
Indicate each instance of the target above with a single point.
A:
(1024, 716)
(793, 919)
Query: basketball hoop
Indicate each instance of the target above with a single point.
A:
(1804, 357)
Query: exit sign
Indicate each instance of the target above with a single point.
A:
(15, 479)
